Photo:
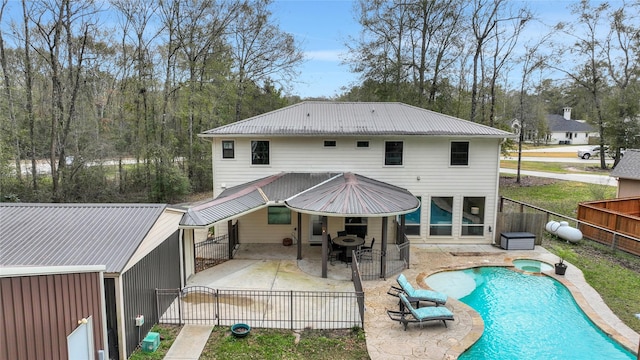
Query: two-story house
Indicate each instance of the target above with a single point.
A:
(362, 165)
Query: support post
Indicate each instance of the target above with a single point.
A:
(299, 236)
(232, 239)
(325, 247)
(383, 248)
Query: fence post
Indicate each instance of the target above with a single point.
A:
(217, 296)
(180, 307)
(291, 308)
(614, 242)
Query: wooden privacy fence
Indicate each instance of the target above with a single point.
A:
(614, 222)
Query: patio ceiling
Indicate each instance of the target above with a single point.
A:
(328, 194)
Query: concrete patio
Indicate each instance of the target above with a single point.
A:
(275, 267)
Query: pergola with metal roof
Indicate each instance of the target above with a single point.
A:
(325, 194)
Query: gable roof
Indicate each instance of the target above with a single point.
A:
(629, 166)
(73, 234)
(341, 194)
(557, 123)
(311, 118)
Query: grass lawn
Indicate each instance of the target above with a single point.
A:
(168, 335)
(554, 167)
(271, 344)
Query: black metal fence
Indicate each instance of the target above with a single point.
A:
(261, 308)
(373, 264)
(217, 250)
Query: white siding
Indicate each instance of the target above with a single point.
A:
(425, 172)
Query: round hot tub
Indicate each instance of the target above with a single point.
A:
(533, 266)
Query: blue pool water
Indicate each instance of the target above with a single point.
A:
(526, 317)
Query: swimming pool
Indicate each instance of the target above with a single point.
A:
(526, 317)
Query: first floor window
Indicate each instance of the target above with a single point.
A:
(227, 149)
(412, 221)
(259, 152)
(279, 215)
(441, 217)
(473, 216)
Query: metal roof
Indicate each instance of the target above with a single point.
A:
(558, 123)
(73, 234)
(317, 193)
(629, 166)
(250, 196)
(354, 195)
(354, 118)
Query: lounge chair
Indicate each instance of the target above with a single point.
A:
(418, 295)
(409, 314)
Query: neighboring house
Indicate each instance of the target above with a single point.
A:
(52, 312)
(628, 173)
(137, 245)
(564, 130)
(339, 161)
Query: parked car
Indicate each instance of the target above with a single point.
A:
(594, 151)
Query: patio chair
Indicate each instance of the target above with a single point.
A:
(366, 253)
(335, 251)
(408, 314)
(416, 295)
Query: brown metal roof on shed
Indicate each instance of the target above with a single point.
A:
(73, 234)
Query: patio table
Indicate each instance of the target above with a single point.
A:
(348, 243)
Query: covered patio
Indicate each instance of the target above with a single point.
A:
(322, 196)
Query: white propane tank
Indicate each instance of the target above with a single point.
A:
(552, 227)
(564, 231)
(569, 233)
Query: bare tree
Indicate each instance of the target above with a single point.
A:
(503, 51)
(531, 61)
(261, 51)
(484, 19)
(10, 100)
(623, 68)
(434, 39)
(589, 55)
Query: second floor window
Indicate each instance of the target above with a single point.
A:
(228, 149)
(460, 153)
(393, 153)
(259, 152)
